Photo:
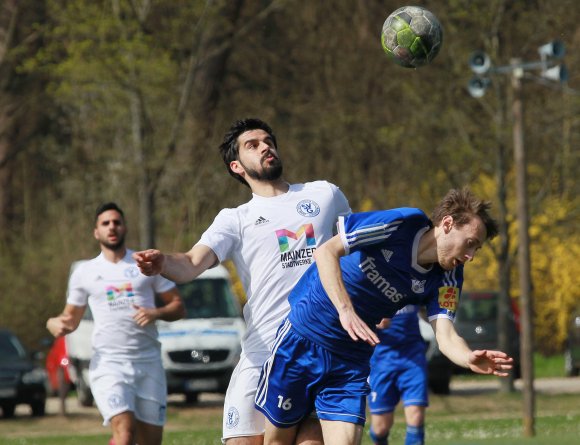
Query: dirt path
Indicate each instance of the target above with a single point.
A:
(209, 408)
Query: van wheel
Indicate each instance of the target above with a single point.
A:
(191, 397)
(440, 387)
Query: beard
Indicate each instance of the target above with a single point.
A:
(120, 244)
(269, 172)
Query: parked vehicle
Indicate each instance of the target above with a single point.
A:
(199, 352)
(476, 321)
(21, 380)
(572, 351)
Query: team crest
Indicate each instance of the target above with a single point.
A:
(418, 286)
(308, 208)
(114, 401)
(131, 272)
(233, 418)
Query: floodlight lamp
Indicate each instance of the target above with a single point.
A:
(555, 49)
(477, 86)
(479, 62)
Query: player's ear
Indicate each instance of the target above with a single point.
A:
(447, 223)
(236, 167)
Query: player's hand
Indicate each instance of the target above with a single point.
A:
(490, 362)
(144, 316)
(384, 324)
(61, 325)
(356, 328)
(150, 261)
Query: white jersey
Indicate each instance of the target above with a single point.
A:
(271, 242)
(111, 290)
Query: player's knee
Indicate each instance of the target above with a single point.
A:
(379, 437)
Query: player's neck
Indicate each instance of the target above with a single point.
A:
(268, 189)
(427, 251)
(114, 255)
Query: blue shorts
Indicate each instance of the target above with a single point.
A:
(398, 374)
(301, 376)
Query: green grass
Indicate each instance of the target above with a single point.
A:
(485, 418)
(557, 429)
(552, 366)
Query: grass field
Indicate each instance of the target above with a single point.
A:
(479, 416)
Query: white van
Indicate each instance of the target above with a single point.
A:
(199, 352)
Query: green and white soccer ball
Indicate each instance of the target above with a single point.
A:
(412, 36)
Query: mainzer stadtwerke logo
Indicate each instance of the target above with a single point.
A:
(308, 208)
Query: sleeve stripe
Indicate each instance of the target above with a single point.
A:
(371, 234)
(449, 278)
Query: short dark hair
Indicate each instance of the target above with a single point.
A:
(229, 147)
(463, 205)
(108, 206)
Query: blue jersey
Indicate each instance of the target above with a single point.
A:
(381, 275)
(403, 329)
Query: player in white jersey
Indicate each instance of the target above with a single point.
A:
(126, 372)
(271, 240)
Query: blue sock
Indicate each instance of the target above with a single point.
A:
(415, 435)
(384, 440)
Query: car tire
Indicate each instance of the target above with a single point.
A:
(38, 408)
(8, 410)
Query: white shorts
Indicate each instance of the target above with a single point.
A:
(121, 386)
(241, 418)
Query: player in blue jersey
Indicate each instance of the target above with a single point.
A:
(399, 372)
(378, 263)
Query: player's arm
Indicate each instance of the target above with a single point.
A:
(456, 349)
(66, 322)
(327, 258)
(171, 310)
(177, 267)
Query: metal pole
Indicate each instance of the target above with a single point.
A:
(526, 338)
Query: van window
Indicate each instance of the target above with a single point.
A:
(209, 298)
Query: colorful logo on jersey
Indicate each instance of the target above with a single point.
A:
(284, 234)
(308, 208)
(448, 297)
(114, 292)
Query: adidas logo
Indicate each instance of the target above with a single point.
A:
(261, 220)
(387, 254)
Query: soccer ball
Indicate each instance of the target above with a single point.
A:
(412, 36)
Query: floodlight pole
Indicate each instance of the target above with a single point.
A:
(526, 313)
(481, 65)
